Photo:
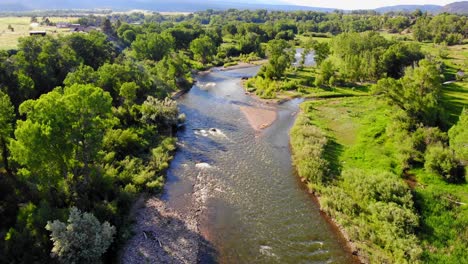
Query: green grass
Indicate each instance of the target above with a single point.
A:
(359, 150)
(22, 26)
(361, 126)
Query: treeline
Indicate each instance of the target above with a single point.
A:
(438, 28)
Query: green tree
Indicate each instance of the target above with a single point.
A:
(45, 61)
(458, 136)
(321, 51)
(107, 28)
(203, 49)
(152, 46)
(60, 138)
(7, 117)
(327, 73)
(92, 49)
(418, 93)
(280, 57)
(250, 43)
(174, 70)
(83, 239)
(84, 74)
(398, 56)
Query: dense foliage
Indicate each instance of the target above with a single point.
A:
(87, 124)
(83, 125)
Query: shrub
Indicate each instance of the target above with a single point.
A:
(458, 135)
(309, 143)
(82, 240)
(442, 161)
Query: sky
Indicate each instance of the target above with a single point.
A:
(365, 4)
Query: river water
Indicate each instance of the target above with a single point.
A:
(253, 207)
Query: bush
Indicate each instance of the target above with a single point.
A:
(308, 143)
(458, 135)
(442, 161)
(82, 240)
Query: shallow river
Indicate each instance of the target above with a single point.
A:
(255, 210)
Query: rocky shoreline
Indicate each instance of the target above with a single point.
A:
(162, 235)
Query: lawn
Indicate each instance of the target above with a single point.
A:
(22, 26)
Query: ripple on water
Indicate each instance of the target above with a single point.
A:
(256, 210)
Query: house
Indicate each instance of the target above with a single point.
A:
(41, 33)
(83, 29)
(63, 25)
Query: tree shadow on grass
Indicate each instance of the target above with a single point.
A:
(333, 151)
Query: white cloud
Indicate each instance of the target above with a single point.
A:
(364, 4)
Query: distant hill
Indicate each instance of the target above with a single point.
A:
(196, 5)
(9, 7)
(457, 7)
(410, 8)
(158, 5)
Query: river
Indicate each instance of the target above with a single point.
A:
(253, 209)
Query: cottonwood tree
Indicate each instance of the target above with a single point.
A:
(60, 138)
(418, 93)
(280, 57)
(203, 49)
(152, 46)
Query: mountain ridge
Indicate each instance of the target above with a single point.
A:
(193, 6)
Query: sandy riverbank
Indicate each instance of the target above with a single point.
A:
(259, 118)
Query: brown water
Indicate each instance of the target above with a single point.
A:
(254, 208)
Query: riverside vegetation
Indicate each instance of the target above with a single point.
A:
(87, 125)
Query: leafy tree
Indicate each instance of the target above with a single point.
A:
(156, 111)
(398, 56)
(250, 43)
(183, 35)
(7, 117)
(45, 61)
(458, 135)
(60, 138)
(92, 49)
(152, 46)
(327, 73)
(82, 239)
(174, 71)
(107, 27)
(321, 51)
(203, 49)
(82, 75)
(280, 57)
(417, 93)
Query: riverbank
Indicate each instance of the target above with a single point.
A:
(162, 235)
(367, 196)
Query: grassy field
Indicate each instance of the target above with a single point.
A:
(357, 125)
(22, 26)
(366, 139)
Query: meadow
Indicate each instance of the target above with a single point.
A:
(21, 27)
(363, 141)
